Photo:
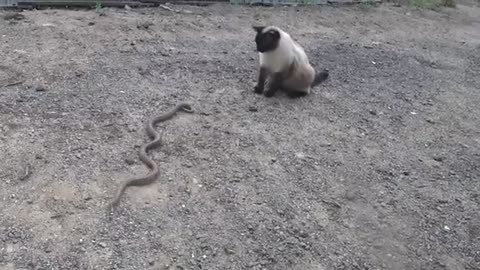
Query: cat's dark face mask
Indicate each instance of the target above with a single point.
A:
(266, 41)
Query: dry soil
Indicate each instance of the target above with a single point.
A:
(378, 168)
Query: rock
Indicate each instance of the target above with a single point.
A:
(253, 108)
(27, 171)
(40, 88)
(48, 249)
(14, 16)
(303, 234)
(130, 161)
(131, 129)
(229, 250)
(91, 23)
(144, 25)
(300, 155)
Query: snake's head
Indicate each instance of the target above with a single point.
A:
(187, 108)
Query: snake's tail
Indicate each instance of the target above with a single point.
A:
(187, 108)
(117, 197)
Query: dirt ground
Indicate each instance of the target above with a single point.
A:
(378, 168)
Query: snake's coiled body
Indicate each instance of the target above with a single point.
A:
(142, 153)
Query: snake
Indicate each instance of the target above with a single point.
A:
(142, 153)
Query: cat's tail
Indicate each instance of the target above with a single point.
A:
(320, 77)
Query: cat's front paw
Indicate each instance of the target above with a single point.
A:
(269, 93)
(258, 89)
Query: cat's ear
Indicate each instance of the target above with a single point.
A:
(258, 29)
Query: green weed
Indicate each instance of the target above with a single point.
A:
(432, 4)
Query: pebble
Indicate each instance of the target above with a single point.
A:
(300, 155)
(229, 251)
(303, 234)
(439, 158)
(253, 108)
(14, 16)
(40, 88)
(129, 161)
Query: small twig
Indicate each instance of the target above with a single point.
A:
(166, 8)
(57, 215)
(26, 174)
(13, 83)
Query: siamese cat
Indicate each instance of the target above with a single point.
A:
(284, 63)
